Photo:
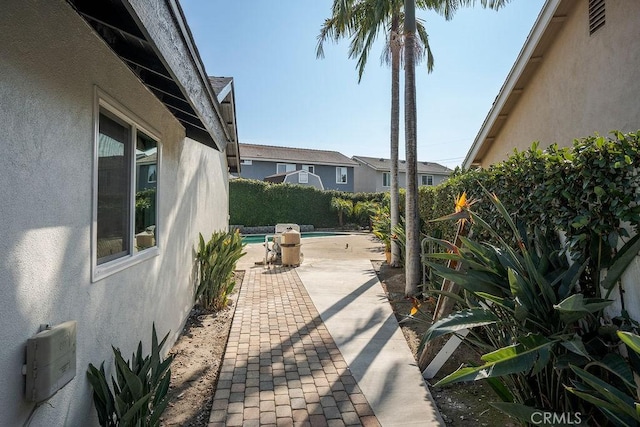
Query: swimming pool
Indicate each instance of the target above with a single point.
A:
(259, 238)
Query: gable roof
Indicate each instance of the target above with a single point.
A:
(384, 165)
(224, 90)
(271, 153)
(153, 39)
(549, 22)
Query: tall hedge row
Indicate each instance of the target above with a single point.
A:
(590, 191)
(255, 203)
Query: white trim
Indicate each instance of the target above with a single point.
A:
(285, 164)
(308, 168)
(388, 174)
(346, 175)
(108, 103)
(422, 179)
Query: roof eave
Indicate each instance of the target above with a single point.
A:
(182, 60)
(153, 39)
(526, 53)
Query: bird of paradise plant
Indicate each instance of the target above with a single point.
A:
(533, 322)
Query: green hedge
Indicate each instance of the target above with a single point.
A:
(256, 203)
(590, 191)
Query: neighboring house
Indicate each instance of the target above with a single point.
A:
(334, 169)
(578, 73)
(99, 99)
(299, 177)
(374, 174)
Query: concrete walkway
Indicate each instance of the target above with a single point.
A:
(319, 345)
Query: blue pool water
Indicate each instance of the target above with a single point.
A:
(259, 238)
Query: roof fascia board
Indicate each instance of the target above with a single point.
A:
(161, 21)
(539, 27)
(225, 91)
(298, 161)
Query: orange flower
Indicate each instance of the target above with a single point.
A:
(462, 202)
(416, 305)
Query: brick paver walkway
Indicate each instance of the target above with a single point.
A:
(281, 366)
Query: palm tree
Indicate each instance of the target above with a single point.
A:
(413, 270)
(362, 20)
(412, 266)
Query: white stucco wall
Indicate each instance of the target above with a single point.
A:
(51, 63)
(585, 84)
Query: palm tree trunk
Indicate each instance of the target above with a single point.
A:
(395, 131)
(413, 271)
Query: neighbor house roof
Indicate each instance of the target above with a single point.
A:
(154, 40)
(549, 23)
(297, 155)
(384, 165)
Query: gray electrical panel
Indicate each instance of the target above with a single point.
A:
(51, 361)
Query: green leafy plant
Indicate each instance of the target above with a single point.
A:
(613, 388)
(343, 207)
(364, 210)
(398, 234)
(532, 318)
(381, 226)
(217, 260)
(138, 393)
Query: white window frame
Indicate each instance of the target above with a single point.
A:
(287, 168)
(303, 177)
(339, 175)
(386, 175)
(309, 168)
(424, 178)
(101, 271)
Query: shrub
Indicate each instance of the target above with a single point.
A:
(535, 321)
(138, 395)
(257, 203)
(343, 207)
(217, 260)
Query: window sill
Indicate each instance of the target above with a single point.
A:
(105, 270)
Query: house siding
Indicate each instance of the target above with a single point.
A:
(370, 180)
(259, 169)
(51, 64)
(585, 84)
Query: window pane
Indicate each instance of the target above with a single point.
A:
(341, 175)
(386, 178)
(146, 186)
(427, 180)
(114, 148)
(285, 167)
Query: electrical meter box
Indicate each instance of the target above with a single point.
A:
(51, 361)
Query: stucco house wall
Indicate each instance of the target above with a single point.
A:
(51, 65)
(580, 84)
(367, 179)
(584, 84)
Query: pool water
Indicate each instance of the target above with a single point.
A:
(259, 238)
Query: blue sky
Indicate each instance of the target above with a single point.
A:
(287, 97)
